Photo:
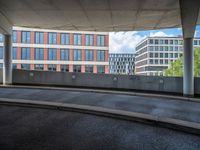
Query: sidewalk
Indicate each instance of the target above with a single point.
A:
(173, 113)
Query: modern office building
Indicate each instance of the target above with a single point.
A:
(154, 54)
(122, 63)
(56, 50)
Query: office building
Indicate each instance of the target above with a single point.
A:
(122, 63)
(57, 50)
(154, 54)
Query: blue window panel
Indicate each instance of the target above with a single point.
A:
(100, 55)
(51, 54)
(26, 37)
(39, 37)
(89, 40)
(1, 38)
(64, 54)
(77, 55)
(39, 67)
(1, 52)
(39, 54)
(89, 55)
(64, 38)
(1, 65)
(52, 38)
(100, 69)
(14, 36)
(77, 39)
(14, 66)
(101, 40)
(25, 66)
(25, 53)
(14, 53)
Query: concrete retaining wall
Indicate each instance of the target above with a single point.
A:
(144, 83)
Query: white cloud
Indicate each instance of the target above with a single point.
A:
(160, 34)
(123, 42)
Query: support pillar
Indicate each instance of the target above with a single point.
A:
(7, 65)
(188, 76)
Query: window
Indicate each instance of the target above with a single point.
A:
(51, 54)
(77, 68)
(161, 61)
(39, 54)
(25, 66)
(151, 48)
(77, 39)
(64, 68)
(39, 66)
(151, 61)
(151, 41)
(171, 42)
(156, 41)
(100, 69)
(26, 37)
(156, 55)
(1, 52)
(156, 61)
(52, 67)
(151, 55)
(25, 53)
(39, 37)
(77, 55)
(161, 55)
(14, 36)
(1, 65)
(64, 54)
(64, 38)
(52, 38)
(166, 41)
(166, 55)
(89, 68)
(1, 37)
(14, 53)
(100, 55)
(176, 42)
(14, 66)
(89, 40)
(89, 55)
(100, 40)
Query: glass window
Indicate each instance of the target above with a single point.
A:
(14, 66)
(26, 37)
(39, 67)
(14, 36)
(77, 55)
(77, 39)
(1, 65)
(1, 52)
(156, 61)
(25, 66)
(39, 37)
(156, 41)
(14, 53)
(100, 40)
(166, 41)
(89, 55)
(151, 48)
(156, 55)
(51, 67)
(176, 55)
(1, 37)
(171, 42)
(176, 42)
(166, 55)
(151, 55)
(151, 61)
(100, 55)
(52, 38)
(64, 38)
(161, 55)
(64, 54)
(39, 54)
(77, 68)
(64, 68)
(89, 68)
(51, 54)
(25, 53)
(161, 61)
(100, 69)
(151, 41)
(89, 39)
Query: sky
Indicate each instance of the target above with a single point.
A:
(125, 42)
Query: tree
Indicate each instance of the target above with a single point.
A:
(176, 68)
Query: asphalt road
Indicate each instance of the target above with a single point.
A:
(41, 129)
(164, 107)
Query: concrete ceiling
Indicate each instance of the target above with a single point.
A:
(93, 15)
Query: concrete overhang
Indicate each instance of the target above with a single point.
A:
(92, 15)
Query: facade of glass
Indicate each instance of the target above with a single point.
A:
(122, 63)
(154, 54)
(57, 50)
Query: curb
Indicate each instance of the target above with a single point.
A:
(106, 91)
(180, 125)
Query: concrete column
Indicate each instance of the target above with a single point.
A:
(7, 65)
(188, 76)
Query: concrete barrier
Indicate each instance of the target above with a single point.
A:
(108, 81)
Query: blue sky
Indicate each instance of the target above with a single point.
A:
(125, 42)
